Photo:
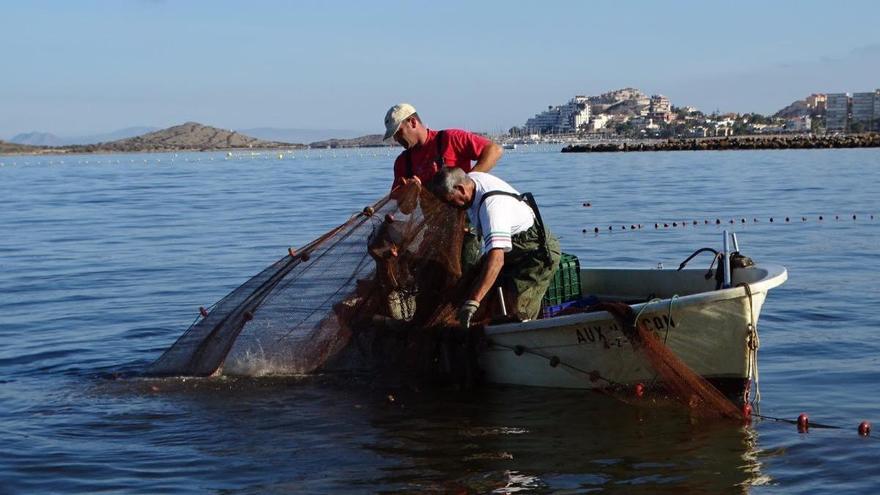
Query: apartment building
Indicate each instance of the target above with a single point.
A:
(837, 108)
(570, 117)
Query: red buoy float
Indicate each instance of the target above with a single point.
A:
(640, 390)
(864, 428)
(803, 423)
(203, 311)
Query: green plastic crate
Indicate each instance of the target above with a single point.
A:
(566, 284)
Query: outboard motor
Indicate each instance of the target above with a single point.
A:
(728, 260)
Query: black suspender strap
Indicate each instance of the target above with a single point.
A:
(519, 197)
(439, 160)
(440, 148)
(529, 200)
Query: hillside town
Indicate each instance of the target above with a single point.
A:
(630, 113)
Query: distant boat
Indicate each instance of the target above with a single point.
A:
(509, 146)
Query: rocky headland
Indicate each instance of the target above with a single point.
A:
(190, 136)
(368, 141)
(869, 140)
(13, 148)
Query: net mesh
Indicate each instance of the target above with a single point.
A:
(300, 311)
(679, 380)
(393, 270)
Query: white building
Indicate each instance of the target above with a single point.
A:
(837, 112)
(570, 117)
(799, 124)
(598, 122)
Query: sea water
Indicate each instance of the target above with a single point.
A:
(105, 259)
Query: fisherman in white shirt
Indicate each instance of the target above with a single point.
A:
(516, 244)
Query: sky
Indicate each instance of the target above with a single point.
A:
(84, 67)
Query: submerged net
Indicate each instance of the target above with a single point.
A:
(302, 310)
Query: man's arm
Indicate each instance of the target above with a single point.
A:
(488, 158)
(488, 273)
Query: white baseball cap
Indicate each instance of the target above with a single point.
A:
(395, 116)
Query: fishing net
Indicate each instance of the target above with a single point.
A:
(678, 379)
(395, 265)
(379, 291)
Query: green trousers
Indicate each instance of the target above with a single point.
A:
(471, 251)
(526, 271)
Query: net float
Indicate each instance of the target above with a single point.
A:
(803, 422)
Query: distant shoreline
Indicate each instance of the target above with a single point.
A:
(73, 152)
(868, 140)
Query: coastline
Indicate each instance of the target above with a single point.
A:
(68, 151)
(867, 140)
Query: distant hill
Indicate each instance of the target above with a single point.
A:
(368, 141)
(299, 135)
(798, 108)
(37, 138)
(185, 137)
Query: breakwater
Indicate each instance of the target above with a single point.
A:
(871, 140)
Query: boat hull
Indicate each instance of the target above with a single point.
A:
(710, 331)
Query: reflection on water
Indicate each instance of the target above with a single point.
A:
(513, 437)
(501, 439)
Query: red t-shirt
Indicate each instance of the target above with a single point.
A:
(459, 149)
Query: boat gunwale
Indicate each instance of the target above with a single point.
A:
(775, 276)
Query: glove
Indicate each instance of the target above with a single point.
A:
(466, 313)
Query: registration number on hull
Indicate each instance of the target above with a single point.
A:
(597, 334)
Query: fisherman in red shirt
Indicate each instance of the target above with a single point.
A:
(426, 150)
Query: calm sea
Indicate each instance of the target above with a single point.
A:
(104, 261)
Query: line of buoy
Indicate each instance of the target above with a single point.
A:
(804, 424)
(718, 221)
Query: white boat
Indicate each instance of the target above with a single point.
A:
(713, 331)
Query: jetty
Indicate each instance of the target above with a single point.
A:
(867, 140)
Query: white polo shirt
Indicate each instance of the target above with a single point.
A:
(501, 216)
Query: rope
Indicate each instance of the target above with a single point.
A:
(591, 375)
(754, 343)
(669, 316)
